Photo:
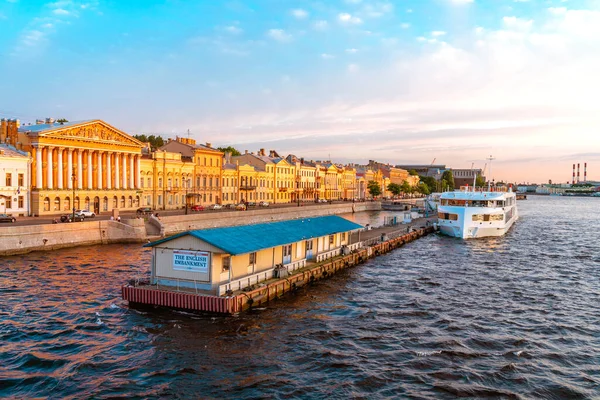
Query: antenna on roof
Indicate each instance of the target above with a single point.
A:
(490, 159)
(188, 132)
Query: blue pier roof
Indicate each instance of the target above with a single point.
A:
(250, 238)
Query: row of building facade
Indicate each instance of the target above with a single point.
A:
(50, 168)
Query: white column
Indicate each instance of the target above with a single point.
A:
(90, 181)
(124, 177)
(131, 174)
(49, 169)
(79, 170)
(99, 170)
(70, 168)
(137, 171)
(117, 174)
(60, 168)
(38, 167)
(108, 170)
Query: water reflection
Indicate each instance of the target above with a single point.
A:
(440, 318)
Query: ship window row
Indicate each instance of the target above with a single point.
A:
(488, 217)
(473, 203)
(448, 216)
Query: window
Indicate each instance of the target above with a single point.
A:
(331, 239)
(160, 200)
(21, 202)
(8, 202)
(252, 258)
(160, 182)
(142, 182)
(8, 180)
(287, 250)
(47, 204)
(149, 182)
(226, 264)
(20, 178)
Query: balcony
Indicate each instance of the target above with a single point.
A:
(247, 187)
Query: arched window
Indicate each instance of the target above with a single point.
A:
(67, 204)
(130, 201)
(105, 204)
(137, 201)
(115, 202)
(169, 183)
(86, 203)
(47, 204)
(76, 203)
(57, 204)
(160, 183)
(122, 201)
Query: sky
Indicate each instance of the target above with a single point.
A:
(400, 82)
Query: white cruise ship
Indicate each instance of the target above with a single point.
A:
(474, 213)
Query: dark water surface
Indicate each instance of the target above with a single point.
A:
(511, 317)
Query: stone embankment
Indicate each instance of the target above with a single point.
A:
(24, 239)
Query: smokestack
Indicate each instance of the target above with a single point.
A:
(584, 172)
(578, 172)
(573, 174)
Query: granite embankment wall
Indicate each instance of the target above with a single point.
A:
(206, 219)
(24, 239)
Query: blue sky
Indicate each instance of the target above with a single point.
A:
(395, 81)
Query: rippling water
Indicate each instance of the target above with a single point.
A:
(511, 317)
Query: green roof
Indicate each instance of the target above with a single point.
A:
(244, 239)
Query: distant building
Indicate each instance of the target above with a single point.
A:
(464, 177)
(14, 181)
(434, 171)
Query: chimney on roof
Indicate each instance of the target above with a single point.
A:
(262, 152)
(49, 120)
(3, 130)
(271, 153)
(209, 145)
(302, 160)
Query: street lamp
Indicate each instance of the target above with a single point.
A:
(74, 179)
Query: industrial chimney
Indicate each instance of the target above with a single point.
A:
(578, 172)
(584, 172)
(573, 174)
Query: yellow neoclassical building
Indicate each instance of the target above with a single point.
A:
(82, 164)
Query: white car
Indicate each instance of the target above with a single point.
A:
(263, 204)
(214, 207)
(86, 213)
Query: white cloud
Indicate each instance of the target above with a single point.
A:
(299, 13)
(517, 23)
(438, 33)
(353, 68)
(327, 56)
(61, 11)
(234, 30)
(349, 19)
(279, 35)
(320, 25)
(460, 2)
(376, 10)
(351, 51)
(405, 25)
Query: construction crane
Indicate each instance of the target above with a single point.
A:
(433, 162)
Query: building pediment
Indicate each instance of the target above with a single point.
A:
(93, 131)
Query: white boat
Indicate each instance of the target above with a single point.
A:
(475, 213)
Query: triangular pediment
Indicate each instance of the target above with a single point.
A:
(95, 131)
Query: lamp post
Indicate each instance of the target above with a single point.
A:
(74, 179)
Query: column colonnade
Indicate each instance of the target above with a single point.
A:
(112, 169)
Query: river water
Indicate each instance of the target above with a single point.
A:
(510, 317)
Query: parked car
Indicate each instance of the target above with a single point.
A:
(250, 204)
(86, 213)
(197, 207)
(69, 218)
(214, 207)
(7, 218)
(263, 204)
(144, 210)
(240, 206)
(230, 206)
